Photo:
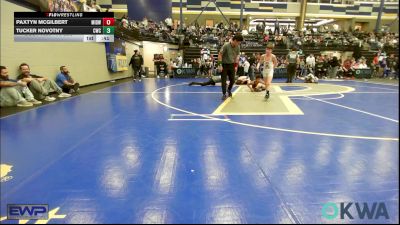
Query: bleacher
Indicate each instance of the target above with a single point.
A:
(190, 53)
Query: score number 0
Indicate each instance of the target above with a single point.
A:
(108, 21)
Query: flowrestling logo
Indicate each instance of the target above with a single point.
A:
(376, 210)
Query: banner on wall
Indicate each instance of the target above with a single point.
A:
(116, 55)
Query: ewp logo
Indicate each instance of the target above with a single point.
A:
(27, 212)
(330, 210)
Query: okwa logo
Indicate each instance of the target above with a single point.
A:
(376, 210)
(4, 171)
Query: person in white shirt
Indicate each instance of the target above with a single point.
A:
(145, 22)
(205, 54)
(179, 60)
(168, 21)
(246, 67)
(362, 64)
(310, 61)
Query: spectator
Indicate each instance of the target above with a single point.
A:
(169, 23)
(363, 64)
(334, 66)
(124, 21)
(136, 62)
(162, 68)
(179, 60)
(252, 62)
(94, 6)
(320, 68)
(246, 67)
(375, 63)
(12, 91)
(310, 61)
(65, 81)
(348, 70)
(40, 86)
(392, 64)
(302, 67)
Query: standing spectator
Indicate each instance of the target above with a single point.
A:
(310, 61)
(334, 66)
(136, 62)
(303, 67)
(242, 59)
(252, 62)
(382, 66)
(277, 27)
(141, 72)
(246, 67)
(179, 60)
(375, 63)
(65, 81)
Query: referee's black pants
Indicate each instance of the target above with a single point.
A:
(228, 71)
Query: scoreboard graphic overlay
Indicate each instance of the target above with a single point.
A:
(64, 27)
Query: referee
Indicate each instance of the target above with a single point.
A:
(228, 56)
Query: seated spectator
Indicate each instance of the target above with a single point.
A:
(348, 71)
(12, 91)
(124, 22)
(40, 86)
(321, 68)
(362, 64)
(392, 64)
(94, 6)
(162, 68)
(65, 81)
